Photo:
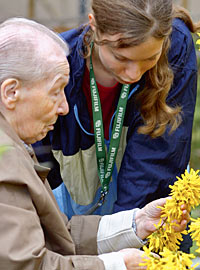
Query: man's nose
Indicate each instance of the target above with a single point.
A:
(63, 109)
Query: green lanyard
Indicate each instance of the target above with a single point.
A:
(105, 167)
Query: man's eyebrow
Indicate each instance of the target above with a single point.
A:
(58, 80)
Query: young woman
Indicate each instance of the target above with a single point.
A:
(132, 90)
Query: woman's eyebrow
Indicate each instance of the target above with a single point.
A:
(153, 56)
(126, 58)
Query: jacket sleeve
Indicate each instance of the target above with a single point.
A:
(22, 239)
(26, 243)
(150, 165)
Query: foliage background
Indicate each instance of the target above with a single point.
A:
(195, 149)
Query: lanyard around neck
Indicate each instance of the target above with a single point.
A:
(105, 166)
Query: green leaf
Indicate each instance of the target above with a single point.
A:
(3, 149)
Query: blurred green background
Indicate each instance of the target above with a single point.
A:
(195, 151)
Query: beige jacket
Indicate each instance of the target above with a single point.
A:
(33, 233)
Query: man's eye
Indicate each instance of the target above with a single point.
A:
(56, 93)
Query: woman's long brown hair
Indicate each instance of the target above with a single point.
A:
(137, 20)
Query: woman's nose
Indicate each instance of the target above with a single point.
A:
(134, 71)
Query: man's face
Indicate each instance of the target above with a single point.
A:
(39, 107)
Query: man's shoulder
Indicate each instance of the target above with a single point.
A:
(7, 134)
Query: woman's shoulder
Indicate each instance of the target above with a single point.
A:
(182, 50)
(180, 27)
(72, 36)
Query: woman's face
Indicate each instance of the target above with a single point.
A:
(127, 65)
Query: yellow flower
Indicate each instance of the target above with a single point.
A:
(165, 236)
(176, 260)
(151, 262)
(165, 241)
(194, 229)
(172, 210)
(187, 189)
(169, 260)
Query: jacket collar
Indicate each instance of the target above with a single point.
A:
(27, 149)
(41, 171)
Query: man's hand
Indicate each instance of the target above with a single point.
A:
(150, 214)
(133, 257)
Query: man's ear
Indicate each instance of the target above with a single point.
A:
(92, 21)
(10, 90)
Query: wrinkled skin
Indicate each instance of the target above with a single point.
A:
(145, 219)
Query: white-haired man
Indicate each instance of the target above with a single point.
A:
(33, 232)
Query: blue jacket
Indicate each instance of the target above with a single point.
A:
(145, 167)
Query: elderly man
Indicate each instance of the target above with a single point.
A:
(33, 232)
